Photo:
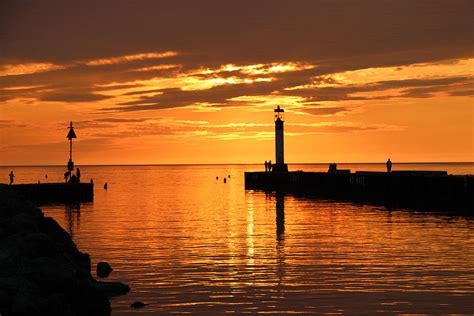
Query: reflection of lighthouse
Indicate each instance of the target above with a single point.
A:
(280, 165)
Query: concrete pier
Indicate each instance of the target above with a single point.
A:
(419, 189)
(55, 192)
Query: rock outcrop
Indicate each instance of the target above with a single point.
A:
(103, 269)
(41, 269)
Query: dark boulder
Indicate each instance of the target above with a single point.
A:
(5, 298)
(41, 270)
(24, 223)
(50, 227)
(55, 304)
(7, 261)
(103, 269)
(111, 289)
(88, 299)
(80, 262)
(40, 245)
(26, 302)
(138, 304)
(52, 275)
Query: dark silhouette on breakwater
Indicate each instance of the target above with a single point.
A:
(432, 189)
(69, 191)
(268, 166)
(332, 168)
(70, 135)
(12, 177)
(69, 176)
(389, 165)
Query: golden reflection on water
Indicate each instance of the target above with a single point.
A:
(250, 243)
(188, 243)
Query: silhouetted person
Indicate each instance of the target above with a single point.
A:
(105, 186)
(389, 165)
(46, 176)
(78, 175)
(270, 165)
(67, 174)
(73, 179)
(12, 176)
(92, 181)
(332, 168)
(266, 166)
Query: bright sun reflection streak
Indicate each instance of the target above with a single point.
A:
(250, 232)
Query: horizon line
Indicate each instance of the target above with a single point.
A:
(217, 164)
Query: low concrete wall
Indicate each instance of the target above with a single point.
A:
(435, 190)
(55, 192)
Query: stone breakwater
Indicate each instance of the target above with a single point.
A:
(41, 269)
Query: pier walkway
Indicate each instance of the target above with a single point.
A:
(55, 192)
(419, 189)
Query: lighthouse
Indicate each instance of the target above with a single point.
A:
(280, 165)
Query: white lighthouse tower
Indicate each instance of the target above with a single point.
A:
(280, 165)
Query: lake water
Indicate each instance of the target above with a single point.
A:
(188, 243)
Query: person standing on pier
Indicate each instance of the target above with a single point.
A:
(266, 166)
(12, 176)
(66, 175)
(389, 165)
(78, 175)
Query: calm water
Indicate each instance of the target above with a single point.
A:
(186, 242)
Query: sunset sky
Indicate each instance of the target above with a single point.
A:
(196, 81)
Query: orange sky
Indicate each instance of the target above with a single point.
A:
(198, 84)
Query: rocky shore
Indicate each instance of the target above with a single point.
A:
(41, 269)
